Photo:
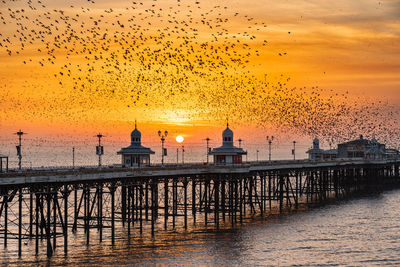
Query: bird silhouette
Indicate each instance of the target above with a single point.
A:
(175, 56)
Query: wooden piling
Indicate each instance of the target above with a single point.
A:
(165, 203)
(194, 200)
(48, 234)
(185, 183)
(20, 222)
(66, 219)
(112, 191)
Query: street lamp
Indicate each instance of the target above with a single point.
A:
(257, 154)
(163, 151)
(208, 148)
(269, 140)
(73, 157)
(99, 148)
(240, 142)
(183, 155)
(19, 154)
(294, 150)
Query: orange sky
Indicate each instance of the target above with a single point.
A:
(341, 46)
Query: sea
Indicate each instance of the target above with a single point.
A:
(359, 231)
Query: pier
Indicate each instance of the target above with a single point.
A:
(48, 205)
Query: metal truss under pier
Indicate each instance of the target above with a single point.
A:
(47, 206)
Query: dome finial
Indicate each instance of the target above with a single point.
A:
(135, 123)
(227, 122)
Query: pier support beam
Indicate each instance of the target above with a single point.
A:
(37, 199)
(48, 234)
(166, 203)
(66, 193)
(281, 192)
(185, 184)
(194, 200)
(216, 202)
(112, 191)
(20, 222)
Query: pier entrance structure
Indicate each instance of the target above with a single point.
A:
(227, 153)
(315, 153)
(135, 155)
(358, 149)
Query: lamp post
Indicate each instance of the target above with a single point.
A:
(257, 155)
(177, 156)
(73, 157)
(99, 148)
(183, 155)
(208, 148)
(269, 140)
(294, 150)
(163, 151)
(19, 154)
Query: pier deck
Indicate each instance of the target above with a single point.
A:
(62, 175)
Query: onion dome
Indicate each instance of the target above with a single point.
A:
(136, 136)
(315, 143)
(227, 136)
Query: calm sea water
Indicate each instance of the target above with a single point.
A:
(364, 231)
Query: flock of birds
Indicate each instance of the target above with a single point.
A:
(174, 55)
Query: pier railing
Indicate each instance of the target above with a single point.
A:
(118, 167)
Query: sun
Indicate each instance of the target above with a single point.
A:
(179, 139)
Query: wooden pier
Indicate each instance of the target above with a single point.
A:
(48, 205)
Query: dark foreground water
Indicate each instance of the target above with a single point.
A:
(359, 232)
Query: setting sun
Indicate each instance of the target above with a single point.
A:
(179, 139)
